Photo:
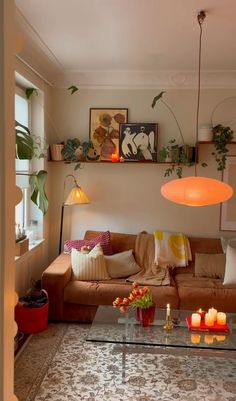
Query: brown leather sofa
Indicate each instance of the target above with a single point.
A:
(78, 300)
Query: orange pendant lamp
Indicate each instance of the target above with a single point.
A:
(197, 191)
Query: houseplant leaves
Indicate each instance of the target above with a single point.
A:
(37, 185)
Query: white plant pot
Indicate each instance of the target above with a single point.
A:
(205, 134)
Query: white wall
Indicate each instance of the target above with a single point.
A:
(126, 197)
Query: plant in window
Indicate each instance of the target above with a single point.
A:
(29, 146)
(221, 137)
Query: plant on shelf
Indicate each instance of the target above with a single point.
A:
(76, 151)
(29, 146)
(174, 153)
(221, 137)
(140, 297)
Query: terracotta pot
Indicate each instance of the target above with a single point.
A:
(146, 316)
(55, 150)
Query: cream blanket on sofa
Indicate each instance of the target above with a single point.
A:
(151, 273)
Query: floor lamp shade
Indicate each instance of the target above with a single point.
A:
(76, 197)
(196, 191)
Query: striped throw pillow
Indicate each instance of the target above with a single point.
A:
(104, 239)
(89, 266)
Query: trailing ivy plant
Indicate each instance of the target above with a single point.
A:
(29, 146)
(76, 151)
(221, 137)
(178, 154)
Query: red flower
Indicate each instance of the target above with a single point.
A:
(135, 285)
(123, 309)
(126, 301)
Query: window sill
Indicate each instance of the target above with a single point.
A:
(32, 247)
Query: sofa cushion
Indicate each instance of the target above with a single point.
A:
(104, 293)
(199, 292)
(230, 267)
(228, 241)
(210, 265)
(89, 266)
(104, 239)
(121, 264)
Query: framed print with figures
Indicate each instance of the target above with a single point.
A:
(104, 130)
(138, 142)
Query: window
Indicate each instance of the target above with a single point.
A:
(28, 112)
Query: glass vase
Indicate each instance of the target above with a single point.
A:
(146, 316)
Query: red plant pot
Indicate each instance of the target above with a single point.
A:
(31, 320)
(146, 316)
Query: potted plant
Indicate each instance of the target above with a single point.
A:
(29, 146)
(221, 137)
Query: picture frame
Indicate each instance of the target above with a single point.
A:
(104, 130)
(228, 209)
(138, 142)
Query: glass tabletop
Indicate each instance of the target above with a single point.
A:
(109, 325)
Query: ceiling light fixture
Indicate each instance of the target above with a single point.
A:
(194, 190)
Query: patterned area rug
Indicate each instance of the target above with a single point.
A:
(59, 365)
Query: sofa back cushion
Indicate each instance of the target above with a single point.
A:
(119, 242)
(210, 265)
(89, 266)
(121, 264)
(102, 238)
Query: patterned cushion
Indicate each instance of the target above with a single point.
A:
(104, 239)
(89, 266)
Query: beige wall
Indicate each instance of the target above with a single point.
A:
(126, 197)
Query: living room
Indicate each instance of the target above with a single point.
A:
(120, 55)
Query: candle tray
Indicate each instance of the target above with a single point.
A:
(217, 327)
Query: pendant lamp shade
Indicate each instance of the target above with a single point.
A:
(76, 197)
(196, 191)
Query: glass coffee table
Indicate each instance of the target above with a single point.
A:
(109, 325)
(128, 336)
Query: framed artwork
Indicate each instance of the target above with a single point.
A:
(228, 209)
(104, 128)
(138, 142)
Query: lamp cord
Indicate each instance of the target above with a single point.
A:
(201, 16)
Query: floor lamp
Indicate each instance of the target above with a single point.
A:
(75, 197)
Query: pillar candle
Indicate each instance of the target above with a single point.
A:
(221, 318)
(115, 157)
(213, 312)
(196, 320)
(209, 319)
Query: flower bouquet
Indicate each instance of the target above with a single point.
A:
(141, 299)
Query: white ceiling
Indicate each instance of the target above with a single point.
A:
(134, 35)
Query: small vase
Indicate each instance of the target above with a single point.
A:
(146, 316)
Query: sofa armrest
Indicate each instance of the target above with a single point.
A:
(54, 280)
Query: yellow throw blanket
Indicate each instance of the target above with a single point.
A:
(171, 249)
(151, 273)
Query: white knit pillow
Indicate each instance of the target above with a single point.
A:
(230, 267)
(89, 266)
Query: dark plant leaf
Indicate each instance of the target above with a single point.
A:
(156, 98)
(37, 185)
(29, 92)
(24, 145)
(72, 89)
(204, 164)
(77, 166)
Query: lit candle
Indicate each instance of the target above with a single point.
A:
(122, 159)
(221, 318)
(114, 157)
(195, 338)
(209, 319)
(201, 313)
(208, 339)
(196, 320)
(213, 312)
(168, 310)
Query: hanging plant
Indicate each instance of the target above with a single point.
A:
(221, 137)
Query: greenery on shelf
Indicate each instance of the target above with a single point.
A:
(76, 151)
(221, 137)
(29, 146)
